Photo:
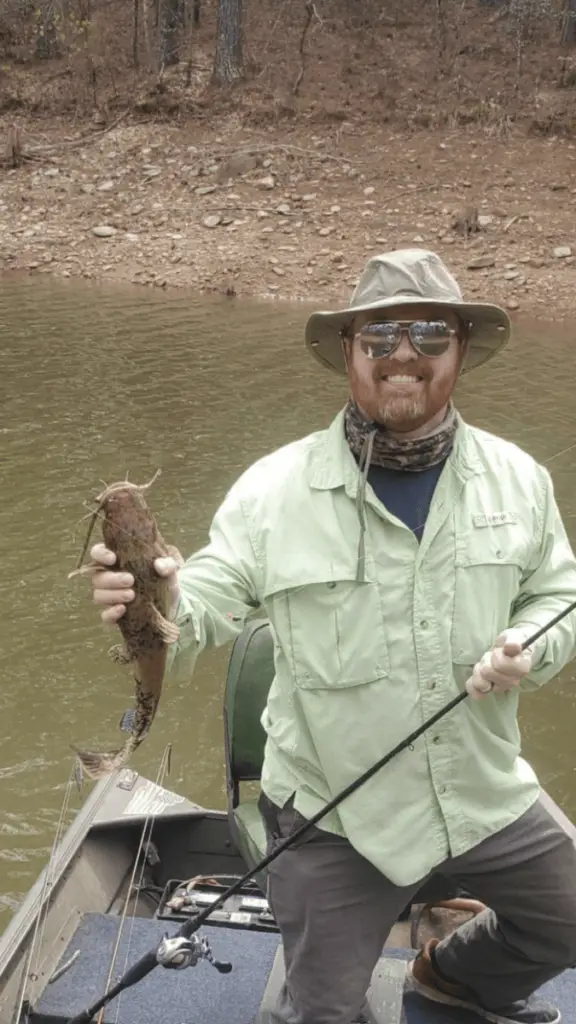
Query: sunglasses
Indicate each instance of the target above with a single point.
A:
(430, 338)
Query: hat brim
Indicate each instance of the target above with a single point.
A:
(488, 332)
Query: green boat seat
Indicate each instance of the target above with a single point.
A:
(248, 680)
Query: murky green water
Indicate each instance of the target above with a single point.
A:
(97, 381)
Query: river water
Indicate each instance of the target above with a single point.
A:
(97, 381)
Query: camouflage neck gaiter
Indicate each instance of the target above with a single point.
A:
(413, 455)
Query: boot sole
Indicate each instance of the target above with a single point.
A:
(436, 996)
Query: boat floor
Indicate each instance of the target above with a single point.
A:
(202, 995)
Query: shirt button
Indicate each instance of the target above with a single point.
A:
(435, 739)
(499, 554)
(432, 684)
(442, 790)
(424, 624)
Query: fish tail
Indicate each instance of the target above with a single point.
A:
(98, 765)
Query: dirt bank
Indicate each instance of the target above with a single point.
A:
(174, 206)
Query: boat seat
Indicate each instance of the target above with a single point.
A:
(248, 680)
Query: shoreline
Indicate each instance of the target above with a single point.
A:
(170, 207)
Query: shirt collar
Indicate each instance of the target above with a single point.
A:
(331, 463)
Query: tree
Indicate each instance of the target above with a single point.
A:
(228, 63)
(171, 21)
(569, 22)
(47, 44)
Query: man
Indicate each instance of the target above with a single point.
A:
(401, 555)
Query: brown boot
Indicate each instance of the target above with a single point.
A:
(427, 979)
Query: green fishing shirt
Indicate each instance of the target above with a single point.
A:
(364, 653)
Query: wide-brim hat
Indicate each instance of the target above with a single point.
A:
(413, 276)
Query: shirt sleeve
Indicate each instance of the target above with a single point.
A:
(548, 587)
(219, 587)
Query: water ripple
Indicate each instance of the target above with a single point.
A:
(100, 380)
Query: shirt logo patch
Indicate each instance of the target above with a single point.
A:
(494, 518)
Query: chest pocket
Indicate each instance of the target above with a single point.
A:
(331, 628)
(489, 566)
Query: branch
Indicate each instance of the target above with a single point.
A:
(311, 12)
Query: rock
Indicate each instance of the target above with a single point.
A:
(479, 262)
(309, 197)
(212, 220)
(238, 164)
(87, 189)
(204, 190)
(284, 209)
(267, 181)
(512, 304)
(52, 172)
(417, 238)
(278, 271)
(511, 275)
(325, 231)
(106, 186)
(104, 231)
(484, 219)
(369, 190)
(465, 221)
(562, 251)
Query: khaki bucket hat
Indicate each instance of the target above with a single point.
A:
(396, 278)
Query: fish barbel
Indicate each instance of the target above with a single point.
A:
(129, 529)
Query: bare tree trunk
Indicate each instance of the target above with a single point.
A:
(171, 21)
(196, 13)
(135, 54)
(46, 36)
(228, 63)
(569, 22)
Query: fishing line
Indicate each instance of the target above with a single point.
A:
(145, 838)
(150, 960)
(33, 958)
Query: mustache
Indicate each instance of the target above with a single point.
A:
(390, 369)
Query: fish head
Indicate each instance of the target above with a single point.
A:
(127, 517)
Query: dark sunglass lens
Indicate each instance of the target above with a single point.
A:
(432, 337)
(379, 339)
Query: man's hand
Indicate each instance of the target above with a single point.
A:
(114, 589)
(501, 668)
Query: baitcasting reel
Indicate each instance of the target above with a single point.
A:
(178, 952)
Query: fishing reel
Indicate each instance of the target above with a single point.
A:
(178, 952)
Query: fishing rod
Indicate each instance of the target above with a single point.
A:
(185, 948)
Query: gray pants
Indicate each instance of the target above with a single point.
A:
(335, 911)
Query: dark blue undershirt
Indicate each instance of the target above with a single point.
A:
(406, 495)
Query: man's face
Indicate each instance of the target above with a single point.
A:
(405, 391)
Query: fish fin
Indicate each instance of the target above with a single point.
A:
(128, 720)
(120, 654)
(99, 765)
(86, 570)
(169, 631)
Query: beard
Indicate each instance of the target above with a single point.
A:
(402, 412)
